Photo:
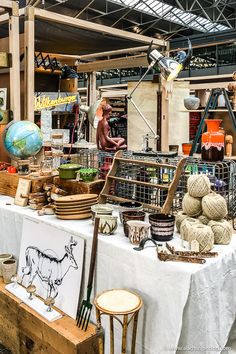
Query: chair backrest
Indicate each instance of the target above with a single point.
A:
(152, 183)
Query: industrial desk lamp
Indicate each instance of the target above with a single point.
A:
(94, 112)
(169, 68)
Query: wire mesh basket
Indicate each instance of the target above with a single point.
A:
(222, 176)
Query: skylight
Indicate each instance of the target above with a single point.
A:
(173, 14)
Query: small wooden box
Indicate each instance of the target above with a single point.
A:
(23, 331)
(9, 183)
(72, 186)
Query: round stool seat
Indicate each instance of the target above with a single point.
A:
(118, 302)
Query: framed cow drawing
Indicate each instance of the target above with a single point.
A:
(52, 260)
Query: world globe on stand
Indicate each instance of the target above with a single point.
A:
(22, 139)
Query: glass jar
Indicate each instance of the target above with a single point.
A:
(213, 141)
(23, 167)
(57, 144)
(46, 166)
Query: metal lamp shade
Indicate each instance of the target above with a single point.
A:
(94, 112)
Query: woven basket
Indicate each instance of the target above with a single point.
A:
(191, 206)
(214, 206)
(222, 231)
(204, 235)
(180, 216)
(185, 227)
(198, 186)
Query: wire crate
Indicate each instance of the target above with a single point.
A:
(221, 174)
(149, 182)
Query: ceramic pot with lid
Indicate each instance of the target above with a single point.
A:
(68, 170)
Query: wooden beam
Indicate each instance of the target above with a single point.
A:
(206, 77)
(29, 65)
(5, 60)
(119, 63)
(14, 49)
(7, 3)
(114, 52)
(4, 18)
(90, 26)
(210, 85)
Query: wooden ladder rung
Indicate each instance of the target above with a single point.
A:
(146, 163)
(120, 199)
(140, 183)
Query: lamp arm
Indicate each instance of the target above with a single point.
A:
(150, 66)
(80, 126)
(145, 120)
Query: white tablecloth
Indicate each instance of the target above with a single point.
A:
(188, 308)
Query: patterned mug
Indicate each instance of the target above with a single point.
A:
(137, 230)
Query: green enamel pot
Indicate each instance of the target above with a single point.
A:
(68, 170)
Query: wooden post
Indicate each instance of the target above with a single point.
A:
(29, 65)
(92, 96)
(14, 48)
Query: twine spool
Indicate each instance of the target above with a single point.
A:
(214, 206)
(191, 206)
(204, 235)
(222, 231)
(203, 219)
(198, 186)
(179, 218)
(185, 227)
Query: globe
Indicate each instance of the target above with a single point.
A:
(22, 139)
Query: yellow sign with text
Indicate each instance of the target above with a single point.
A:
(42, 102)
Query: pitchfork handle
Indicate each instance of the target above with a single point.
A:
(94, 252)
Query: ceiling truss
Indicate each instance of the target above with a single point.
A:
(157, 18)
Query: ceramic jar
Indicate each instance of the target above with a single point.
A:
(131, 215)
(162, 226)
(138, 230)
(191, 102)
(107, 224)
(4, 257)
(9, 267)
(101, 209)
(127, 206)
(213, 141)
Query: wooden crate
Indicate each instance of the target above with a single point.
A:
(9, 183)
(76, 187)
(23, 331)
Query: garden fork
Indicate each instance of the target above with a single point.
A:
(84, 313)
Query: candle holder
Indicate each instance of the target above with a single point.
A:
(49, 302)
(31, 289)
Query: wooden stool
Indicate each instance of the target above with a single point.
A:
(117, 302)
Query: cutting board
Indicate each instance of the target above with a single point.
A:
(76, 198)
(74, 217)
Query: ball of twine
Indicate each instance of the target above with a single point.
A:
(204, 235)
(222, 231)
(180, 216)
(214, 206)
(191, 206)
(203, 219)
(198, 186)
(186, 225)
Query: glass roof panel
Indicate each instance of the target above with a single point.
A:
(173, 14)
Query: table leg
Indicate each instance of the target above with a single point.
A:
(134, 332)
(101, 338)
(111, 335)
(124, 334)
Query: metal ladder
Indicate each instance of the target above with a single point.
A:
(211, 104)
